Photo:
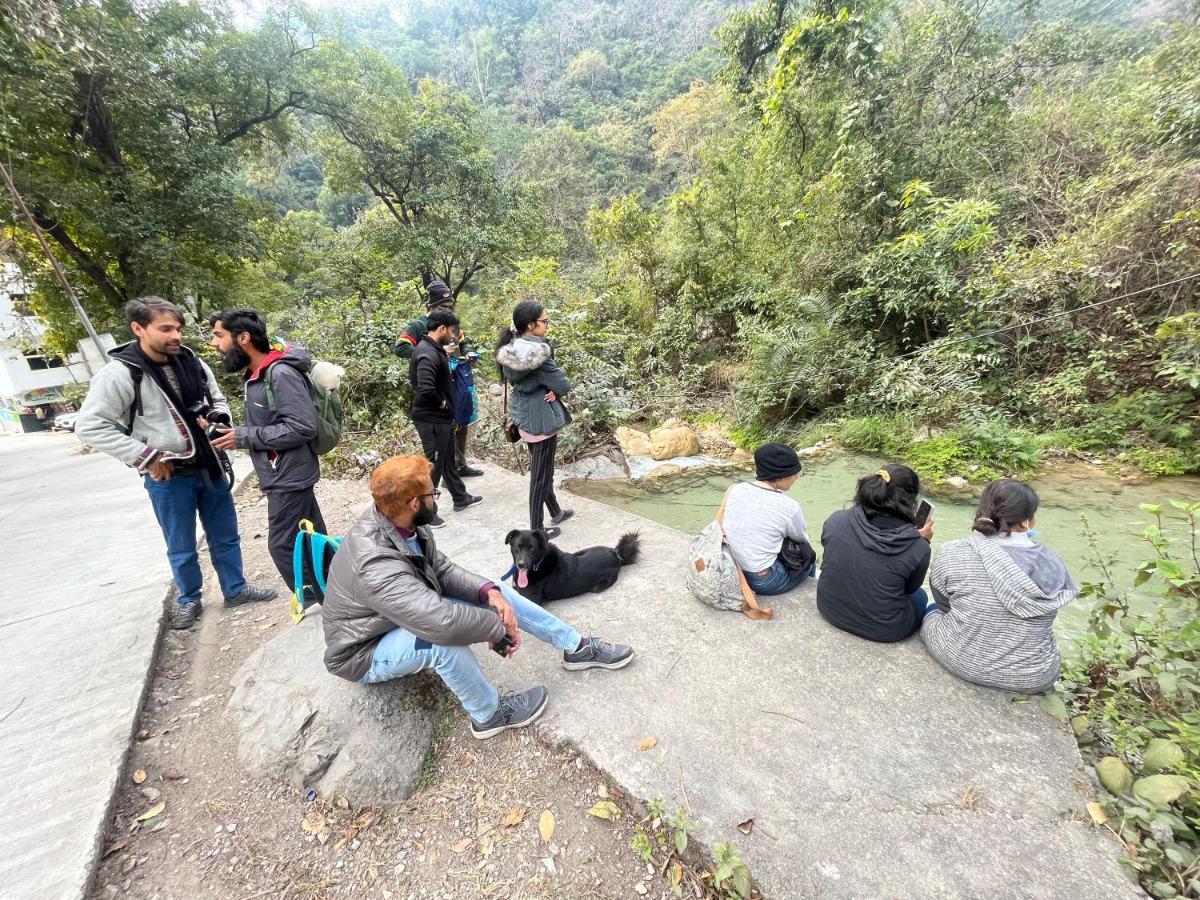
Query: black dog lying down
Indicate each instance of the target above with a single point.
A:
(542, 572)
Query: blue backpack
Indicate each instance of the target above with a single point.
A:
(466, 398)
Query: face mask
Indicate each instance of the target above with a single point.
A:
(1031, 533)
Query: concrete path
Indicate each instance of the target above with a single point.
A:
(85, 573)
(867, 770)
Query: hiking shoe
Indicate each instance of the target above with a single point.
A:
(436, 522)
(469, 501)
(468, 472)
(597, 654)
(251, 595)
(551, 533)
(562, 517)
(516, 710)
(186, 615)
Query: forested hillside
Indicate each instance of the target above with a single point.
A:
(954, 229)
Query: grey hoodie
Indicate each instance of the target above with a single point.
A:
(278, 439)
(998, 629)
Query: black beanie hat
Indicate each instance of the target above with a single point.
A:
(774, 461)
(438, 293)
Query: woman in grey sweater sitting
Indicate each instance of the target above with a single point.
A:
(998, 593)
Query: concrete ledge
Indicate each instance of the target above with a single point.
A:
(867, 769)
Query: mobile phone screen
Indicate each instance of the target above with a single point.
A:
(924, 510)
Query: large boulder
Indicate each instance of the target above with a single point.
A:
(673, 438)
(632, 441)
(300, 725)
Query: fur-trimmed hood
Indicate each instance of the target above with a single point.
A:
(525, 354)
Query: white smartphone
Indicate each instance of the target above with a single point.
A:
(924, 513)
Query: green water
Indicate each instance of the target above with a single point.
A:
(689, 503)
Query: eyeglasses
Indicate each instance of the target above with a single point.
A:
(543, 322)
(435, 493)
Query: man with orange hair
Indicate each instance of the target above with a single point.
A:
(395, 605)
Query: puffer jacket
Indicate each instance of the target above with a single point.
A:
(528, 366)
(158, 431)
(377, 583)
(278, 439)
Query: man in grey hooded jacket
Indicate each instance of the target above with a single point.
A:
(395, 605)
(146, 407)
(277, 437)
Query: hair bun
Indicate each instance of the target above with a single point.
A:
(986, 526)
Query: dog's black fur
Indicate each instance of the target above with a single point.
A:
(554, 574)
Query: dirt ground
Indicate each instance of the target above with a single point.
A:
(473, 829)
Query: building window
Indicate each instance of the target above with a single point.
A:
(37, 361)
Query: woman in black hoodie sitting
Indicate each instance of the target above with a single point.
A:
(875, 559)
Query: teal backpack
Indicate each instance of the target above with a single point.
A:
(320, 548)
(329, 412)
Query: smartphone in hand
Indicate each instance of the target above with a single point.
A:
(924, 513)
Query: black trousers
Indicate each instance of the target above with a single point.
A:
(437, 442)
(285, 509)
(541, 481)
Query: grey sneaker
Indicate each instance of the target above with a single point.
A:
(598, 654)
(516, 710)
(562, 517)
(251, 595)
(467, 502)
(436, 522)
(186, 615)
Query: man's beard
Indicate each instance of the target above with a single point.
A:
(235, 360)
(424, 515)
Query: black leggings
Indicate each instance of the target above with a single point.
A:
(541, 481)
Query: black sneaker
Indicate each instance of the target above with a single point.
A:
(516, 710)
(470, 501)
(551, 533)
(597, 654)
(436, 522)
(186, 615)
(562, 516)
(251, 595)
(468, 472)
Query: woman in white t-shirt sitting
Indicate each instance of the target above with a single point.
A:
(760, 517)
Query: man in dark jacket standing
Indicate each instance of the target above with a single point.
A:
(396, 606)
(277, 435)
(433, 407)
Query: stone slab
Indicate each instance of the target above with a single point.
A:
(866, 768)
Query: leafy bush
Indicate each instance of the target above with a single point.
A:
(1134, 688)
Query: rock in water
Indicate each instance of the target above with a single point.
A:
(632, 441)
(673, 440)
(300, 725)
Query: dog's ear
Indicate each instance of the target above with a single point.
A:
(508, 538)
(543, 537)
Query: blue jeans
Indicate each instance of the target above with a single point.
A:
(176, 503)
(778, 580)
(400, 653)
(920, 602)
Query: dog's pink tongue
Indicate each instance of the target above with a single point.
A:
(522, 578)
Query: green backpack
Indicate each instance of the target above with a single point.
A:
(329, 412)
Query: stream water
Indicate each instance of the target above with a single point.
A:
(690, 502)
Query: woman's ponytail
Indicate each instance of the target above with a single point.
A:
(1003, 504)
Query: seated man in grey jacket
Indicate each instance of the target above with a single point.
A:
(395, 605)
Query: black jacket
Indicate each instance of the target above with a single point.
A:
(432, 390)
(278, 439)
(868, 570)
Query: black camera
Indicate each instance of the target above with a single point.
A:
(218, 420)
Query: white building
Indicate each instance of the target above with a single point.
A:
(31, 376)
